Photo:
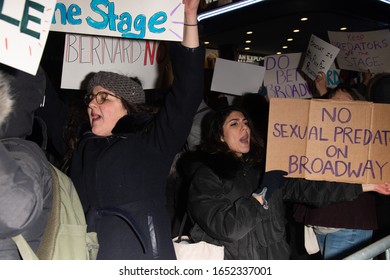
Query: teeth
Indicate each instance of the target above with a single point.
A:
(95, 117)
(244, 139)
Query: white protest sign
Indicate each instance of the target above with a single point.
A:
(319, 57)
(24, 29)
(130, 19)
(236, 78)
(282, 78)
(85, 54)
(362, 51)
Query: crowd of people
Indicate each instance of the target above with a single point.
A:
(128, 158)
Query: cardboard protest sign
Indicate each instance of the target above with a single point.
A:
(344, 141)
(236, 78)
(85, 54)
(319, 57)
(282, 78)
(24, 29)
(131, 19)
(362, 51)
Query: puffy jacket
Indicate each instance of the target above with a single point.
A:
(25, 178)
(221, 205)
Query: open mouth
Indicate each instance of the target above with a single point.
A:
(95, 117)
(245, 139)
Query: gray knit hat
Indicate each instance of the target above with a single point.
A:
(123, 86)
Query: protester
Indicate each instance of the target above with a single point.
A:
(378, 88)
(25, 178)
(120, 167)
(235, 204)
(358, 90)
(378, 91)
(356, 219)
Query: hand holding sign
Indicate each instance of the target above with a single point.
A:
(320, 83)
(379, 188)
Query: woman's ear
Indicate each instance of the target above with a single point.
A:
(222, 140)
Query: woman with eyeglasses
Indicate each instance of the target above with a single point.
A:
(120, 167)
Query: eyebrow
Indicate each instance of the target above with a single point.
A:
(236, 119)
(108, 93)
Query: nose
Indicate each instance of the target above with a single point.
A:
(92, 103)
(244, 126)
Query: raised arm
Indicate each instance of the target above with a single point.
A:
(175, 118)
(190, 35)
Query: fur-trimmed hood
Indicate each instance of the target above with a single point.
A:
(6, 101)
(133, 123)
(27, 92)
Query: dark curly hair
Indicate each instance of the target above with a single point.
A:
(211, 142)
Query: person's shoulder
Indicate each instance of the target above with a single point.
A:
(26, 150)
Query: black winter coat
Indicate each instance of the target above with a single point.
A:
(220, 203)
(121, 179)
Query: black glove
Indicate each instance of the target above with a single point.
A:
(272, 180)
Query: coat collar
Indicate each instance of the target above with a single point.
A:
(133, 123)
(224, 166)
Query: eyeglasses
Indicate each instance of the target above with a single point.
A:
(100, 97)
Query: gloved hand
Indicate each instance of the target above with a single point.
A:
(272, 180)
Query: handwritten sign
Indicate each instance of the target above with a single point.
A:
(332, 77)
(236, 78)
(282, 78)
(363, 51)
(85, 54)
(147, 19)
(24, 29)
(345, 141)
(319, 57)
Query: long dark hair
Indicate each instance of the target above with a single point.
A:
(354, 94)
(134, 108)
(378, 89)
(211, 142)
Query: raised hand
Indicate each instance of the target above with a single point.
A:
(190, 36)
(383, 188)
(320, 83)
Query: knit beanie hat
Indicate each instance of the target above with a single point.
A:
(123, 86)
